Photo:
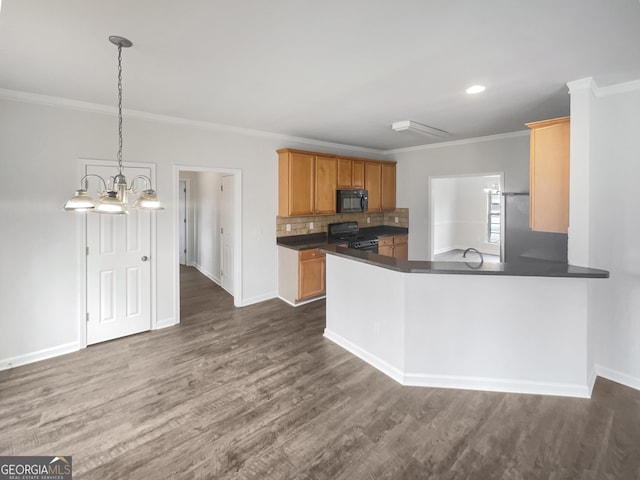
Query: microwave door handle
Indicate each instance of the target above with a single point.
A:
(362, 203)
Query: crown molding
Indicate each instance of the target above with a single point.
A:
(619, 88)
(466, 141)
(48, 100)
(587, 83)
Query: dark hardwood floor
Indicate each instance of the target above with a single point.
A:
(258, 393)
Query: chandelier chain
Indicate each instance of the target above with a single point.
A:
(120, 108)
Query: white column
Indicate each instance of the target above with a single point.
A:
(582, 103)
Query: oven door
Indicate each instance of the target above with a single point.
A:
(369, 249)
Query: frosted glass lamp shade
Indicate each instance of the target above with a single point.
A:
(80, 202)
(148, 200)
(110, 203)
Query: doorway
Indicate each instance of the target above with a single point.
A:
(465, 213)
(213, 230)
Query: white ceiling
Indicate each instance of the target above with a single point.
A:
(334, 70)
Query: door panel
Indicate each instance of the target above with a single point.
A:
(118, 279)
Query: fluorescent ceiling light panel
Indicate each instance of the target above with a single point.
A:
(418, 128)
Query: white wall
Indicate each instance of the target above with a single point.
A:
(40, 148)
(613, 219)
(507, 153)
(444, 214)
(207, 207)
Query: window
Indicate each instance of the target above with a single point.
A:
(494, 207)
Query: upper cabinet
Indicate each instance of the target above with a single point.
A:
(549, 175)
(296, 176)
(307, 182)
(380, 182)
(326, 183)
(388, 186)
(372, 183)
(350, 173)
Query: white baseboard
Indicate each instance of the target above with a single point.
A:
(496, 385)
(207, 274)
(459, 382)
(258, 298)
(44, 354)
(300, 303)
(618, 377)
(372, 360)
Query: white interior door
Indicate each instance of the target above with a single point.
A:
(118, 268)
(226, 229)
(183, 221)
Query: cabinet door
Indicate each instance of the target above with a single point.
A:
(549, 175)
(357, 174)
(401, 247)
(385, 246)
(388, 186)
(372, 179)
(311, 273)
(301, 184)
(326, 184)
(344, 172)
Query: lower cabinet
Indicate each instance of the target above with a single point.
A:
(311, 273)
(396, 246)
(301, 274)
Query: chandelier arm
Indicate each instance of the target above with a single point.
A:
(85, 179)
(147, 181)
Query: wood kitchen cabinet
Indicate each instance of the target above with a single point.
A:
(396, 246)
(549, 175)
(296, 182)
(307, 182)
(301, 275)
(326, 182)
(388, 187)
(311, 273)
(350, 173)
(380, 182)
(372, 183)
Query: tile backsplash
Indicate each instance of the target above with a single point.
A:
(301, 225)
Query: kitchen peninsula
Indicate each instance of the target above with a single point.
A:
(520, 327)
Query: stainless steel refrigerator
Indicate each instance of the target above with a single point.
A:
(519, 243)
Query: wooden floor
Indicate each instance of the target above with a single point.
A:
(258, 393)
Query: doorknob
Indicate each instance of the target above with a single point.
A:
(144, 258)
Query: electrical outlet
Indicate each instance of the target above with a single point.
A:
(368, 219)
(288, 227)
(310, 225)
(396, 219)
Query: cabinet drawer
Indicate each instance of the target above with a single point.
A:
(384, 241)
(311, 253)
(400, 239)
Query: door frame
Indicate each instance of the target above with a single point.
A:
(188, 226)
(82, 258)
(237, 230)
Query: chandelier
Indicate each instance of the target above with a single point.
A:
(113, 192)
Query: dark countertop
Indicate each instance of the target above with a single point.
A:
(319, 240)
(520, 269)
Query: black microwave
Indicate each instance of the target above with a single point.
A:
(353, 201)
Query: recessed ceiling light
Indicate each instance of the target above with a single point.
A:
(475, 89)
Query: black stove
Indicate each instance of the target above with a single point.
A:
(350, 232)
